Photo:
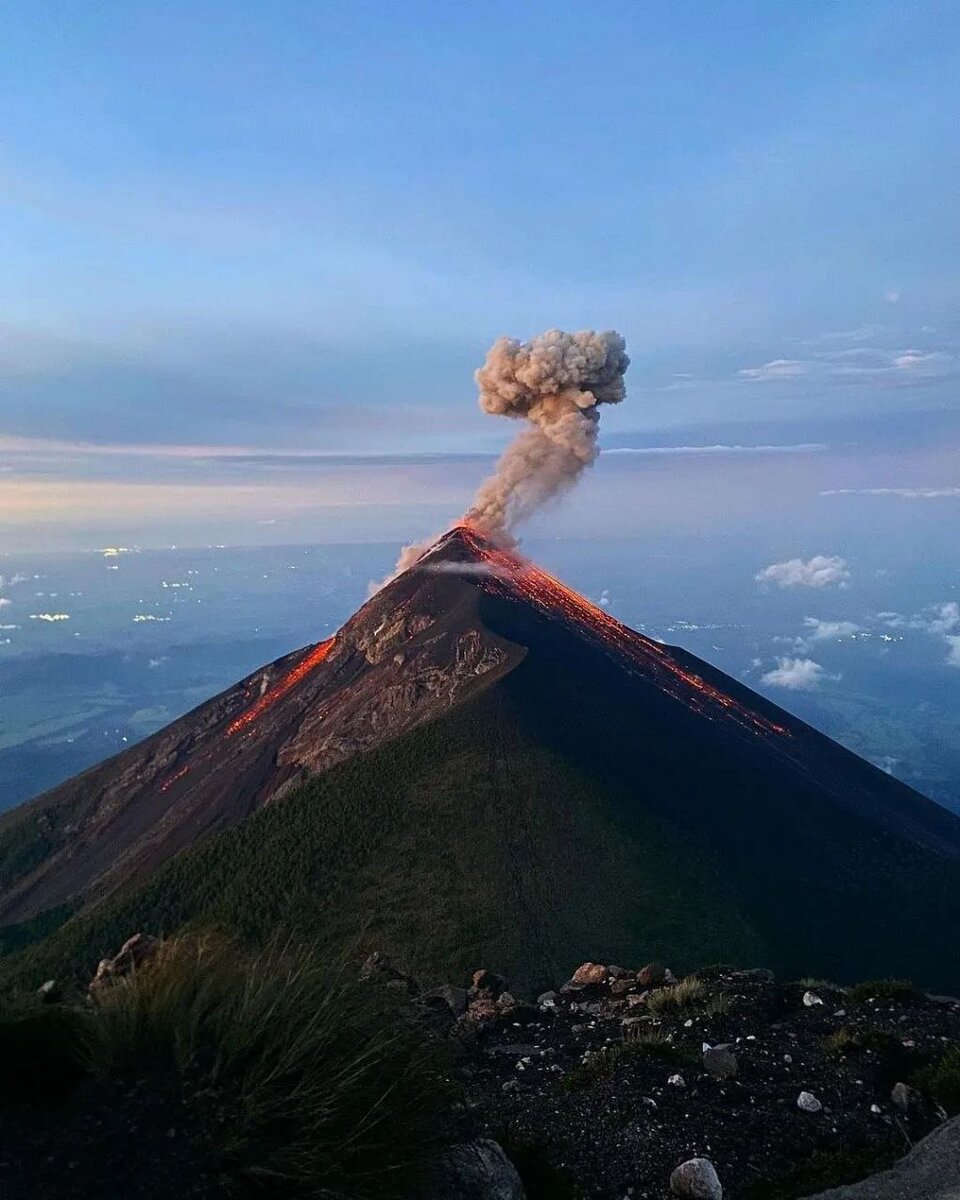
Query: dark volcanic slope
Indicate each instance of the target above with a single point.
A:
(799, 836)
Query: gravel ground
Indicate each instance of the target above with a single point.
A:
(580, 1092)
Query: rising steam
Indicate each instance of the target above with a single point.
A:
(556, 383)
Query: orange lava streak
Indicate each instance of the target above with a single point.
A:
(172, 779)
(309, 662)
(549, 595)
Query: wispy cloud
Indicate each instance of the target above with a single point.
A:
(820, 571)
(797, 448)
(796, 674)
(904, 493)
(938, 620)
(777, 368)
(826, 631)
(907, 367)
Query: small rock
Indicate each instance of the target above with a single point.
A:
(510, 1085)
(788, 1058)
(807, 1102)
(720, 1062)
(488, 981)
(134, 952)
(636, 999)
(447, 997)
(50, 992)
(547, 1000)
(621, 986)
(651, 975)
(474, 1171)
(482, 1009)
(588, 973)
(875, 1109)
(506, 1003)
(902, 1095)
(696, 1179)
(677, 1081)
(619, 973)
(811, 1000)
(764, 974)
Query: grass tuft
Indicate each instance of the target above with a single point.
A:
(638, 1043)
(297, 1078)
(843, 1042)
(883, 989)
(719, 1005)
(684, 994)
(941, 1081)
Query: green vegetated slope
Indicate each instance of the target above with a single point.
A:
(465, 843)
(570, 810)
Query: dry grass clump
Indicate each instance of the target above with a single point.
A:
(685, 994)
(299, 1080)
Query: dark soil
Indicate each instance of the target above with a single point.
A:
(104, 1142)
(615, 1126)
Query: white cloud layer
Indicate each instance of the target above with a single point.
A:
(820, 571)
(796, 674)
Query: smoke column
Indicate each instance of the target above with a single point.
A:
(556, 383)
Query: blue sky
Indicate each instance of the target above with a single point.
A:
(240, 228)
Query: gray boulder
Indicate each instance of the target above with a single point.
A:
(446, 998)
(931, 1171)
(697, 1180)
(474, 1171)
(720, 1062)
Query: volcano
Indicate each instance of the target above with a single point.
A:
(483, 767)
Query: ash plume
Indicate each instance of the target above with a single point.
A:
(556, 383)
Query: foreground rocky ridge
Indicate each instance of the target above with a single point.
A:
(609, 1085)
(618, 1083)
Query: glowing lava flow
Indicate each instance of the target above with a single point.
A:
(549, 595)
(287, 683)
